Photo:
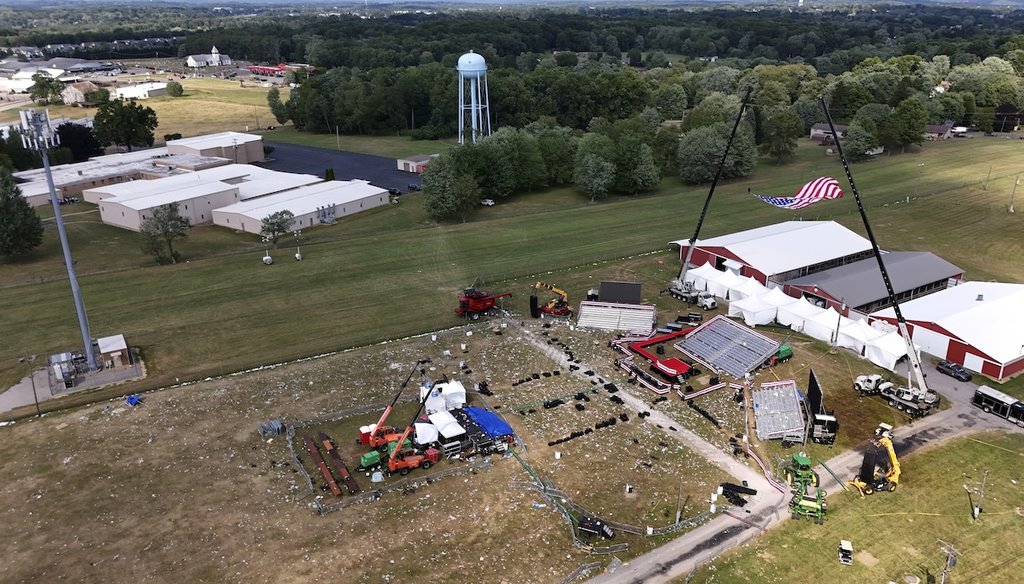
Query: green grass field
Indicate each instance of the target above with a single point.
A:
(897, 534)
(390, 146)
(390, 272)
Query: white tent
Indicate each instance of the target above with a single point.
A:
(754, 310)
(696, 276)
(822, 325)
(446, 424)
(794, 314)
(435, 402)
(778, 298)
(855, 334)
(886, 350)
(745, 288)
(425, 433)
(454, 394)
(719, 282)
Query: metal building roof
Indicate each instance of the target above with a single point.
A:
(781, 247)
(859, 283)
(986, 315)
(306, 199)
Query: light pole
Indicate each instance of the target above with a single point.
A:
(32, 377)
(266, 252)
(1016, 182)
(37, 134)
(298, 252)
(917, 183)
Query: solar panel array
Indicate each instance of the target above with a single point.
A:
(727, 346)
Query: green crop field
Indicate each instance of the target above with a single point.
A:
(897, 534)
(390, 272)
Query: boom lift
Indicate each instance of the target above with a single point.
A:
(558, 306)
(379, 436)
(880, 455)
(921, 391)
(404, 459)
(679, 288)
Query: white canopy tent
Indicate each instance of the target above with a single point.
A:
(720, 282)
(886, 350)
(796, 313)
(435, 402)
(446, 424)
(777, 297)
(745, 288)
(823, 325)
(754, 310)
(425, 433)
(855, 334)
(696, 276)
(454, 394)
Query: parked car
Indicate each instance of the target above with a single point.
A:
(954, 370)
(413, 187)
(394, 192)
(487, 202)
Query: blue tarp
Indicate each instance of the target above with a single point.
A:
(133, 399)
(489, 422)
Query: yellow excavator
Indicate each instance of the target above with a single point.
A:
(880, 470)
(557, 306)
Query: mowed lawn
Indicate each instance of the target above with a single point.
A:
(897, 534)
(390, 272)
(208, 106)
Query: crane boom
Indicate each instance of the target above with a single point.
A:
(893, 473)
(379, 428)
(915, 360)
(680, 280)
(405, 435)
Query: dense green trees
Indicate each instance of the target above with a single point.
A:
(80, 140)
(45, 89)
(20, 229)
(125, 123)
(700, 152)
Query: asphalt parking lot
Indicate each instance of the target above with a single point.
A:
(379, 170)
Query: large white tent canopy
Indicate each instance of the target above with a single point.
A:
(856, 334)
(745, 288)
(446, 424)
(754, 310)
(796, 313)
(823, 325)
(425, 433)
(719, 283)
(696, 276)
(886, 350)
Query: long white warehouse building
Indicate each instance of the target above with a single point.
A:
(311, 205)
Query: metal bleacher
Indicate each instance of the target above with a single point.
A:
(616, 317)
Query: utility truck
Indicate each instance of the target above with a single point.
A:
(915, 401)
(686, 292)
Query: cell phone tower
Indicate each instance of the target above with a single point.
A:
(37, 134)
(473, 81)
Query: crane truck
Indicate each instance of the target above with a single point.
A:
(403, 458)
(917, 401)
(880, 470)
(558, 306)
(379, 435)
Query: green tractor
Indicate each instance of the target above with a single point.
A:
(808, 498)
(807, 504)
(799, 471)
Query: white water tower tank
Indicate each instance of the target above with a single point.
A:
(474, 98)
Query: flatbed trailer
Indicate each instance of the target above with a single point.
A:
(319, 460)
(346, 477)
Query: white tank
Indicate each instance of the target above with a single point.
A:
(472, 65)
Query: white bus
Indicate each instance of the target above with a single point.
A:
(993, 401)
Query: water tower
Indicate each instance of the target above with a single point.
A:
(473, 80)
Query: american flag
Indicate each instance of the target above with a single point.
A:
(812, 192)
